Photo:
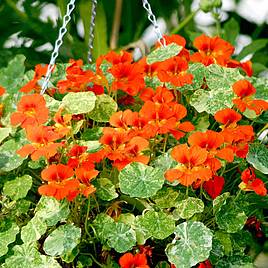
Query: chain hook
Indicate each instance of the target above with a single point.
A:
(91, 29)
(58, 43)
(151, 17)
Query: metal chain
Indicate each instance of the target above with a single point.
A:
(151, 17)
(58, 43)
(91, 30)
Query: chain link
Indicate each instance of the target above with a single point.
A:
(58, 43)
(151, 17)
(91, 30)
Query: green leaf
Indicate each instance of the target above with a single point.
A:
(157, 224)
(33, 231)
(4, 133)
(100, 44)
(164, 162)
(231, 30)
(11, 77)
(164, 53)
(27, 255)
(139, 180)
(236, 261)
(79, 102)
(167, 198)
(219, 201)
(9, 159)
(225, 240)
(105, 189)
(258, 157)
(192, 244)
(7, 237)
(103, 225)
(18, 188)
(253, 47)
(51, 210)
(52, 104)
(230, 217)
(122, 238)
(62, 240)
(188, 207)
(105, 106)
(92, 134)
(261, 85)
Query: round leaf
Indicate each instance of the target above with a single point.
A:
(51, 210)
(122, 238)
(105, 106)
(192, 244)
(4, 132)
(7, 237)
(18, 188)
(157, 224)
(188, 207)
(62, 240)
(139, 180)
(164, 53)
(80, 102)
(258, 157)
(105, 189)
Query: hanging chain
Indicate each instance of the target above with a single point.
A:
(58, 43)
(91, 30)
(151, 17)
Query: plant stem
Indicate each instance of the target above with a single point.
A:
(184, 22)
(116, 24)
(88, 208)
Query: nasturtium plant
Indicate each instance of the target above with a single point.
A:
(192, 244)
(125, 162)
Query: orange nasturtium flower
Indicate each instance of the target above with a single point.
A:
(212, 50)
(174, 71)
(31, 111)
(227, 117)
(191, 165)
(128, 260)
(244, 90)
(60, 183)
(42, 138)
(40, 70)
(2, 91)
(251, 183)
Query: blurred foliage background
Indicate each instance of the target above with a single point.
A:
(31, 27)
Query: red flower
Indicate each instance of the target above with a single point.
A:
(205, 264)
(174, 71)
(128, 78)
(129, 260)
(42, 138)
(76, 78)
(59, 183)
(2, 91)
(40, 70)
(214, 186)
(227, 117)
(191, 166)
(31, 111)
(244, 90)
(251, 183)
(212, 50)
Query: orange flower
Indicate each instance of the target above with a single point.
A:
(251, 183)
(128, 78)
(160, 95)
(76, 154)
(31, 111)
(129, 260)
(42, 138)
(227, 117)
(40, 70)
(244, 90)
(211, 141)
(2, 91)
(59, 183)
(76, 78)
(191, 166)
(174, 71)
(212, 50)
(62, 123)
